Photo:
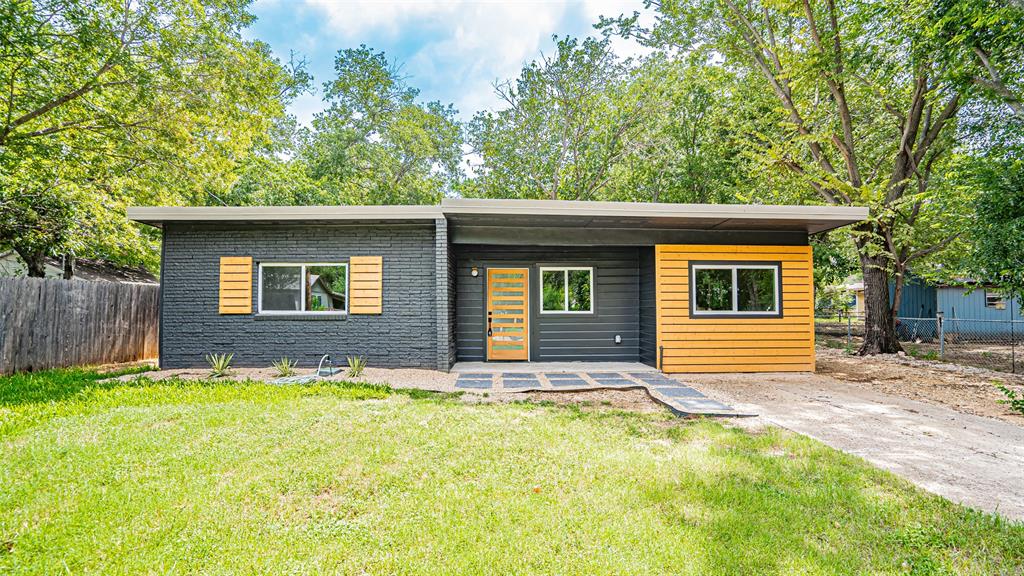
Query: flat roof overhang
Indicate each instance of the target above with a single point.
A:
(158, 215)
(533, 214)
(637, 215)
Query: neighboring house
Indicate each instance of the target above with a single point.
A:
(916, 301)
(321, 295)
(856, 288)
(686, 288)
(968, 307)
(12, 266)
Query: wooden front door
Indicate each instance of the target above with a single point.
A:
(508, 314)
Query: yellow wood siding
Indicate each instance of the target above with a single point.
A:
(366, 285)
(236, 285)
(738, 344)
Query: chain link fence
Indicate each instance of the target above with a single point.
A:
(993, 344)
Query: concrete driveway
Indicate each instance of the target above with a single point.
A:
(968, 459)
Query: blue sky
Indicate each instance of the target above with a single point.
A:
(451, 50)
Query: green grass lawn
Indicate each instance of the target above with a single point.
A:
(228, 478)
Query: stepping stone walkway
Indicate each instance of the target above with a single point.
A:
(677, 396)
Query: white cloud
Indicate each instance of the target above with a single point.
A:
(475, 44)
(467, 44)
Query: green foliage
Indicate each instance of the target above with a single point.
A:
(583, 124)
(356, 366)
(998, 235)
(285, 366)
(568, 118)
(375, 144)
(111, 103)
(857, 107)
(220, 364)
(1014, 400)
(982, 44)
(916, 352)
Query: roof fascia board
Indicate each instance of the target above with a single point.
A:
(641, 209)
(280, 213)
(818, 218)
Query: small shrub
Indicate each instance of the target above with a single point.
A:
(1013, 400)
(285, 366)
(356, 365)
(220, 364)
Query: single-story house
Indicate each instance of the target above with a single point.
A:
(685, 288)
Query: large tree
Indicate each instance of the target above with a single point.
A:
(376, 143)
(865, 114)
(108, 103)
(566, 122)
(584, 124)
(998, 236)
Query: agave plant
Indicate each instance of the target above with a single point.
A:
(285, 366)
(356, 365)
(220, 364)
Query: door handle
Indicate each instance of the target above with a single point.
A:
(489, 331)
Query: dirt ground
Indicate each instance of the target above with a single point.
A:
(630, 400)
(999, 356)
(401, 378)
(965, 389)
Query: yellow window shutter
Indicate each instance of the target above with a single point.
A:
(366, 285)
(236, 285)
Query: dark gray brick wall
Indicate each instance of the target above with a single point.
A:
(404, 335)
(442, 268)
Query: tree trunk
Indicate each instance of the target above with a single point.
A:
(35, 261)
(69, 266)
(879, 323)
(897, 293)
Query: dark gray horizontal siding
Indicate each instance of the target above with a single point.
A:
(404, 335)
(554, 337)
(648, 309)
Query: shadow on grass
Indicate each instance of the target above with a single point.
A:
(60, 384)
(29, 399)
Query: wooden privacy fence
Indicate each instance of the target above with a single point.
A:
(49, 323)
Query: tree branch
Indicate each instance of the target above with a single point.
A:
(995, 82)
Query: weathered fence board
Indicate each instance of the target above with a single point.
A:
(48, 323)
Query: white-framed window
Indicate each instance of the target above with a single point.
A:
(735, 289)
(303, 288)
(995, 300)
(566, 290)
